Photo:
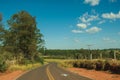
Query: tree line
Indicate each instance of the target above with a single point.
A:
(82, 53)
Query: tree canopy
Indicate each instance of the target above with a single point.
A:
(22, 36)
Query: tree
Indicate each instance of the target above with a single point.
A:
(0, 17)
(23, 35)
(111, 54)
(1, 29)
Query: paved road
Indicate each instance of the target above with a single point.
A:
(51, 72)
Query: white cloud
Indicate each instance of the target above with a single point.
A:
(65, 38)
(112, 41)
(82, 25)
(107, 39)
(77, 40)
(88, 18)
(93, 30)
(101, 22)
(77, 31)
(118, 33)
(113, 1)
(111, 15)
(92, 2)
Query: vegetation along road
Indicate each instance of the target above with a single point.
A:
(51, 72)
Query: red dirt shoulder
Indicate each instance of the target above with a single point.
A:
(10, 75)
(95, 75)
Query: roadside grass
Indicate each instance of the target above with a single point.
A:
(61, 62)
(112, 66)
(54, 60)
(24, 67)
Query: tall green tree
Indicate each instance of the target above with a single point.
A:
(2, 31)
(23, 35)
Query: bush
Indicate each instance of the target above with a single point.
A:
(67, 63)
(112, 66)
(106, 66)
(99, 65)
(115, 68)
(90, 65)
(39, 59)
(76, 64)
(3, 65)
(25, 61)
(81, 64)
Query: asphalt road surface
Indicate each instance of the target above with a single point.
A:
(51, 72)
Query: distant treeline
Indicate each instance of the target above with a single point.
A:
(82, 53)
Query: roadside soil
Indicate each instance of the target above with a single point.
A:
(10, 75)
(95, 75)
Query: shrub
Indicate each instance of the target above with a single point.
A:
(99, 65)
(3, 65)
(39, 59)
(115, 68)
(76, 64)
(106, 66)
(81, 64)
(90, 65)
(67, 63)
(112, 66)
(25, 61)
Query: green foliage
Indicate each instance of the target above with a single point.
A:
(81, 53)
(24, 34)
(39, 59)
(25, 61)
(0, 17)
(3, 65)
(20, 42)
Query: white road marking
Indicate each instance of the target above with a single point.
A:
(65, 75)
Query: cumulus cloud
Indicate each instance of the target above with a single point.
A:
(86, 21)
(92, 2)
(93, 30)
(81, 25)
(86, 18)
(111, 15)
(77, 31)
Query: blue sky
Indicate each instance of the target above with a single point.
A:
(72, 24)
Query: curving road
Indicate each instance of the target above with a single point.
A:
(51, 72)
